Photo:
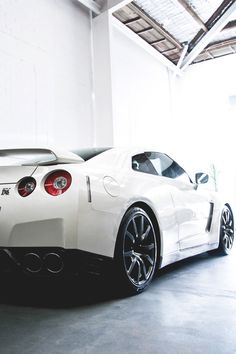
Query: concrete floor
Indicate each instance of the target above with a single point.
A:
(190, 309)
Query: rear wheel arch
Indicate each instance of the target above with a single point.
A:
(227, 204)
(154, 220)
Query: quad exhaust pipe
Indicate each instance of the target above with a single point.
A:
(6, 260)
(51, 262)
(32, 262)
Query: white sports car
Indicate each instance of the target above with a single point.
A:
(129, 210)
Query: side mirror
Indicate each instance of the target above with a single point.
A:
(201, 178)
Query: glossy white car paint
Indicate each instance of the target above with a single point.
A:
(88, 215)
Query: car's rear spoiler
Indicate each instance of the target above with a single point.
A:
(48, 157)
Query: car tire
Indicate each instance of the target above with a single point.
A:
(226, 236)
(136, 252)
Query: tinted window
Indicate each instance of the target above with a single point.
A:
(141, 163)
(167, 167)
(156, 163)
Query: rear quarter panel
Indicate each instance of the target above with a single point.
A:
(99, 229)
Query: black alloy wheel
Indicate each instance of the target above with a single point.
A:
(226, 231)
(136, 251)
(226, 237)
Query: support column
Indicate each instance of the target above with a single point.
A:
(103, 79)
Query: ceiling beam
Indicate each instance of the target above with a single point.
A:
(212, 20)
(181, 58)
(225, 6)
(114, 5)
(157, 41)
(154, 24)
(144, 30)
(222, 44)
(91, 5)
(131, 20)
(230, 25)
(218, 24)
(193, 14)
(170, 51)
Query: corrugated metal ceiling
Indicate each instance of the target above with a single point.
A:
(204, 8)
(172, 16)
(167, 25)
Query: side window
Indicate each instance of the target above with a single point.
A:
(167, 167)
(141, 163)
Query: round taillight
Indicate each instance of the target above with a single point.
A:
(57, 182)
(26, 186)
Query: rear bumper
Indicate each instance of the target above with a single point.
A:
(51, 261)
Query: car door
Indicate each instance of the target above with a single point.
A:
(159, 194)
(192, 206)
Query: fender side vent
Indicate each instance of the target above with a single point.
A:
(89, 189)
(209, 221)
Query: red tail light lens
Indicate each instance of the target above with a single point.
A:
(26, 186)
(57, 182)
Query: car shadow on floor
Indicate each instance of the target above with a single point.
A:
(54, 292)
(21, 290)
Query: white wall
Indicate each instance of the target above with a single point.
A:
(205, 119)
(45, 74)
(48, 79)
(141, 92)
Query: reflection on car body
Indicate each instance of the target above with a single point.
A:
(128, 210)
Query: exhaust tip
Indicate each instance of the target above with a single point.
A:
(32, 262)
(5, 261)
(53, 263)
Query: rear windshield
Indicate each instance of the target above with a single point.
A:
(23, 158)
(88, 153)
